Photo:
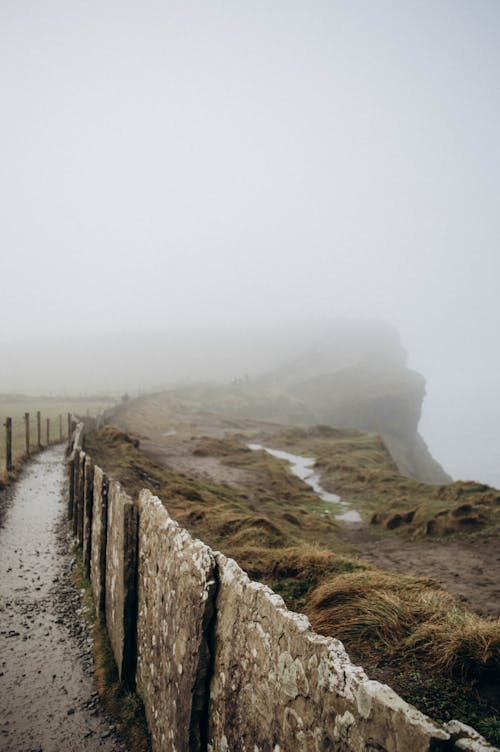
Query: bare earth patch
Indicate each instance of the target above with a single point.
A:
(468, 567)
(177, 455)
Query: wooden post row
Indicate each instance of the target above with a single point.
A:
(8, 444)
(27, 432)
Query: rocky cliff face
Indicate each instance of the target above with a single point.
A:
(355, 376)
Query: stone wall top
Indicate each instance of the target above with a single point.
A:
(278, 685)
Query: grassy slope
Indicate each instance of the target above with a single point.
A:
(359, 468)
(407, 629)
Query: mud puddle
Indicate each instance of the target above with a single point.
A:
(303, 468)
(47, 701)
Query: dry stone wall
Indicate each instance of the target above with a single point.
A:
(278, 685)
(176, 590)
(120, 579)
(98, 539)
(220, 663)
(88, 499)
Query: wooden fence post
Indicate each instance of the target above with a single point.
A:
(60, 428)
(39, 429)
(27, 432)
(48, 431)
(69, 426)
(8, 444)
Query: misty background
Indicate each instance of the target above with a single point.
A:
(238, 166)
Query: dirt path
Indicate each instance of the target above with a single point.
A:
(47, 701)
(468, 567)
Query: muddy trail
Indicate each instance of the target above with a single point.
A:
(47, 701)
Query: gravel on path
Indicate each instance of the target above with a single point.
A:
(47, 700)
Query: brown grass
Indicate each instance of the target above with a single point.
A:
(359, 467)
(405, 615)
(273, 532)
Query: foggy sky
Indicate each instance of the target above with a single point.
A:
(170, 165)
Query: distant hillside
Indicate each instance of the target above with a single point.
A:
(356, 376)
(342, 373)
(352, 375)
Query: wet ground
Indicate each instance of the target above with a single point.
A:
(467, 566)
(47, 701)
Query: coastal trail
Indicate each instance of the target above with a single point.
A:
(47, 701)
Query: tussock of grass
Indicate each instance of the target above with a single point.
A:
(406, 615)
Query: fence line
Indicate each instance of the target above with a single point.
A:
(18, 433)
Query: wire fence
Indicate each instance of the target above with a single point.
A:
(25, 428)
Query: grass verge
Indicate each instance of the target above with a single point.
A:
(123, 706)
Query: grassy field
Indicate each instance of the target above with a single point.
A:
(409, 630)
(50, 409)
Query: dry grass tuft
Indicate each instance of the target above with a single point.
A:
(406, 615)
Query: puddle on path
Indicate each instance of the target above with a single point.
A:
(303, 468)
(47, 701)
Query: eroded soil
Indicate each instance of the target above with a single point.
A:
(466, 566)
(47, 701)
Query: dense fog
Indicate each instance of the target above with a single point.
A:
(240, 167)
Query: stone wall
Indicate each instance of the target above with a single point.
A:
(176, 591)
(278, 685)
(219, 661)
(98, 538)
(120, 579)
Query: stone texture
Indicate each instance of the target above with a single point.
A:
(78, 498)
(467, 739)
(88, 498)
(121, 552)
(277, 686)
(98, 539)
(78, 437)
(176, 589)
(72, 467)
